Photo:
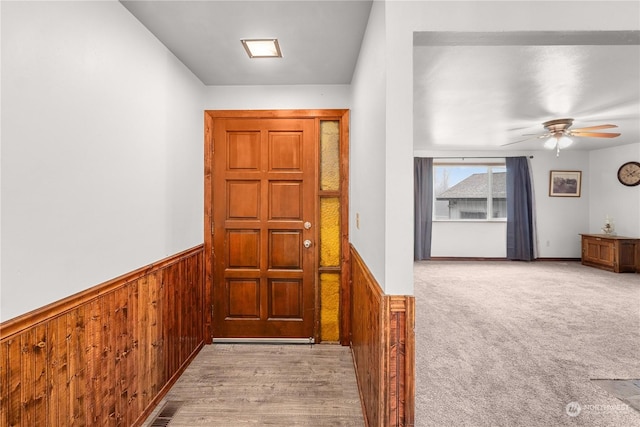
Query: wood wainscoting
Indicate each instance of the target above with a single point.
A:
(383, 345)
(104, 356)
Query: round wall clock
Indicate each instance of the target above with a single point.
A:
(629, 174)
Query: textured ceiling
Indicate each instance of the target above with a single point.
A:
(472, 91)
(484, 90)
(320, 40)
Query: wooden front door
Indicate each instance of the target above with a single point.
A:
(263, 209)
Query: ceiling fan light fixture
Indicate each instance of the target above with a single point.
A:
(262, 48)
(551, 143)
(564, 142)
(558, 141)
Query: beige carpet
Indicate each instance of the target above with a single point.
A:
(517, 344)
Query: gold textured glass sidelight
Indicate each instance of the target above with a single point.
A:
(329, 230)
(329, 306)
(329, 155)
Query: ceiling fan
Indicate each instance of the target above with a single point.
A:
(559, 135)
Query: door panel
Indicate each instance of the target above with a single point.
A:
(264, 190)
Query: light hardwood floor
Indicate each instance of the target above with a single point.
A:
(264, 385)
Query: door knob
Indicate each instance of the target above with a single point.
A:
(307, 225)
(307, 243)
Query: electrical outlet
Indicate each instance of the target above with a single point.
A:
(358, 220)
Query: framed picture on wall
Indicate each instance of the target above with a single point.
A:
(565, 183)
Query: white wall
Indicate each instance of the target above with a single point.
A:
(608, 196)
(102, 142)
(367, 197)
(560, 220)
(277, 97)
(469, 239)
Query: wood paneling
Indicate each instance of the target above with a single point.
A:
(400, 312)
(382, 341)
(104, 356)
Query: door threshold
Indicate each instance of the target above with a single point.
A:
(309, 340)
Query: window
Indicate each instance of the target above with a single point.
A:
(469, 191)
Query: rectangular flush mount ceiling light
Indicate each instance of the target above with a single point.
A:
(262, 48)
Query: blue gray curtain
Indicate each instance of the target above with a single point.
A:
(521, 234)
(423, 206)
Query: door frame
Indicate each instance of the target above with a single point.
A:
(340, 115)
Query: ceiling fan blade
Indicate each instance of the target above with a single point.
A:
(514, 142)
(526, 139)
(595, 128)
(595, 134)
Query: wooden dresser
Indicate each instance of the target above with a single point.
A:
(614, 253)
